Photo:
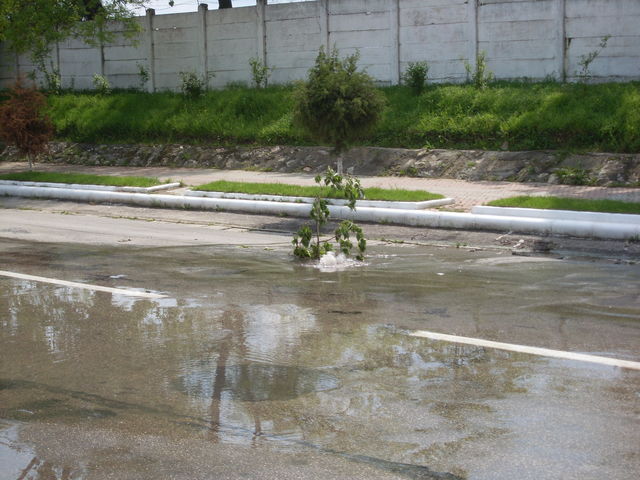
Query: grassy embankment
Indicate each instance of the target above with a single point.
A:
(576, 204)
(518, 116)
(393, 195)
(82, 179)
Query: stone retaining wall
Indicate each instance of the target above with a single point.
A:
(605, 169)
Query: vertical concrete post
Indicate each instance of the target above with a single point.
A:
(202, 42)
(560, 43)
(102, 59)
(472, 22)
(394, 32)
(262, 32)
(150, 48)
(56, 58)
(323, 21)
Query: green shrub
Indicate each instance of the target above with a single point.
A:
(143, 77)
(101, 84)
(260, 73)
(479, 76)
(193, 86)
(575, 176)
(337, 104)
(415, 76)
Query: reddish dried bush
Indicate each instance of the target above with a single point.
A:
(23, 122)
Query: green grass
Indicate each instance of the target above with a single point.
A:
(81, 178)
(558, 203)
(547, 115)
(394, 195)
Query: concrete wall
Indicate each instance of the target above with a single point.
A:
(536, 39)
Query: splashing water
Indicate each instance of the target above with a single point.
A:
(330, 262)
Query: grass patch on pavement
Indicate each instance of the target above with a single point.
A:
(82, 178)
(576, 204)
(283, 189)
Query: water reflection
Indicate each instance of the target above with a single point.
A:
(304, 360)
(19, 461)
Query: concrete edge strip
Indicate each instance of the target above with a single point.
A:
(287, 199)
(85, 286)
(415, 218)
(512, 347)
(557, 214)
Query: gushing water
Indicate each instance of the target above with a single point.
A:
(330, 262)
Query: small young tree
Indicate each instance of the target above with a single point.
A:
(337, 104)
(303, 241)
(23, 122)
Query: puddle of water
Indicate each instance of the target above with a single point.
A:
(258, 357)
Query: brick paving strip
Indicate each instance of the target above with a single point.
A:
(466, 194)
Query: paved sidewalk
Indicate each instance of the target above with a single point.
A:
(466, 194)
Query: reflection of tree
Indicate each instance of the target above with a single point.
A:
(45, 470)
(231, 364)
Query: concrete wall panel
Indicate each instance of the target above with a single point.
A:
(358, 39)
(176, 20)
(175, 35)
(231, 31)
(119, 53)
(520, 38)
(290, 11)
(602, 8)
(231, 15)
(516, 31)
(120, 67)
(176, 51)
(454, 32)
(339, 7)
(359, 21)
(432, 15)
(522, 50)
(522, 11)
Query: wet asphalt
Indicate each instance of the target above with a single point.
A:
(257, 366)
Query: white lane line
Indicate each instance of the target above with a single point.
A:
(86, 286)
(512, 347)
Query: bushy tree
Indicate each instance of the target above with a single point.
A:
(337, 104)
(33, 26)
(23, 122)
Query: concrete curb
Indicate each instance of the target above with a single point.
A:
(558, 214)
(418, 218)
(77, 186)
(332, 201)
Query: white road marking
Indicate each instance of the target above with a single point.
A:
(86, 286)
(545, 352)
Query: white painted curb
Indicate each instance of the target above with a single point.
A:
(418, 218)
(558, 214)
(332, 201)
(79, 186)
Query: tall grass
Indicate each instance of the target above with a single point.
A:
(516, 115)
